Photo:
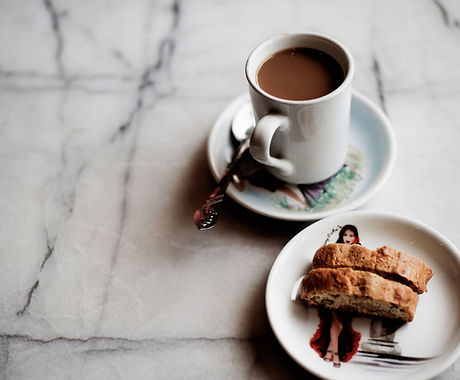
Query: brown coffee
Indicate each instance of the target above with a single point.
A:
(300, 74)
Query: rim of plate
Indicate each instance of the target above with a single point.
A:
(365, 195)
(431, 371)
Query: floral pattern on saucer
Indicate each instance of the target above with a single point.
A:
(326, 194)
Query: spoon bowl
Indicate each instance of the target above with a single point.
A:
(243, 122)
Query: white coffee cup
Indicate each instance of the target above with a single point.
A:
(300, 141)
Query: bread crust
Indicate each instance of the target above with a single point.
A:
(361, 292)
(384, 261)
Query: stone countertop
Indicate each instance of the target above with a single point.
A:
(105, 108)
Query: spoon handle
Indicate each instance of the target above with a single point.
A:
(206, 216)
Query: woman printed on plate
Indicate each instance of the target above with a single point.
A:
(335, 340)
(348, 235)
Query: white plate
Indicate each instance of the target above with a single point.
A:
(435, 331)
(370, 160)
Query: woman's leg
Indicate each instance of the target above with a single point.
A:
(332, 353)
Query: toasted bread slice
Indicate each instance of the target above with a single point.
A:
(385, 261)
(359, 292)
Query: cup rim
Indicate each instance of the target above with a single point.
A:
(346, 82)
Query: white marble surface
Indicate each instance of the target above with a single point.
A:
(105, 107)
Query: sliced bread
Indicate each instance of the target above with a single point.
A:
(384, 261)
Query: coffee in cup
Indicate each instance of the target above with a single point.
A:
(300, 74)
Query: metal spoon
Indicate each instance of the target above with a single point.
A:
(242, 125)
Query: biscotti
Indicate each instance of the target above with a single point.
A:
(359, 292)
(384, 261)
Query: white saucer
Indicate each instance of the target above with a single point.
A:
(427, 345)
(371, 157)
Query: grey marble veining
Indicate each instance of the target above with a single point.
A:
(105, 108)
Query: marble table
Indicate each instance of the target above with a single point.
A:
(105, 108)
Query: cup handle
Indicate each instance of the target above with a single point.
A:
(261, 139)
